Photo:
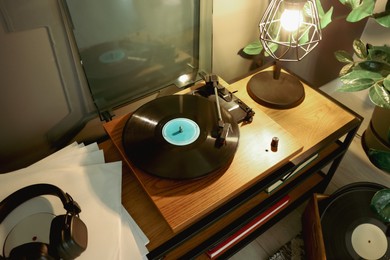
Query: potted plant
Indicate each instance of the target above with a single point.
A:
(368, 69)
(371, 70)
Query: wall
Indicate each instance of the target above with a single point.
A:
(235, 24)
(41, 99)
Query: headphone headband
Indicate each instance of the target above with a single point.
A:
(24, 194)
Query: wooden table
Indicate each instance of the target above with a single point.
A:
(186, 218)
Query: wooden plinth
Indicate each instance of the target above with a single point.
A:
(181, 203)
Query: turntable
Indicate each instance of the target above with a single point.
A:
(169, 135)
(191, 154)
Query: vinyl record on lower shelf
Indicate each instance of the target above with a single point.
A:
(34, 228)
(175, 137)
(351, 230)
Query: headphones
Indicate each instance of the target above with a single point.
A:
(68, 233)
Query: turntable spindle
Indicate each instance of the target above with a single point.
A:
(178, 131)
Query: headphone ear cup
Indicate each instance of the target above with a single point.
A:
(68, 236)
(30, 251)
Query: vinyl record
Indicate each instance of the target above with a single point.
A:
(175, 137)
(113, 59)
(34, 228)
(351, 230)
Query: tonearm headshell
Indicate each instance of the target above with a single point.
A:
(237, 108)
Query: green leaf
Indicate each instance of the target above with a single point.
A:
(356, 85)
(361, 74)
(379, 96)
(380, 159)
(360, 49)
(346, 69)
(380, 202)
(386, 83)
(365, 9)
(351, 3)
(380, 53)
(355, 3)
(384, 20)
(344, 2)
(272, 47)
(326, 18)
(307, 10)
(375, 66)
(303, 33)
(253, 48)
(320, 9)
(343, 56)
(304, 37)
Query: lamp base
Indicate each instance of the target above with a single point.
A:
(285, 92)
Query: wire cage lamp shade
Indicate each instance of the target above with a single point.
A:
(290, 29)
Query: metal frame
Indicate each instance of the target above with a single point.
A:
(334, 159)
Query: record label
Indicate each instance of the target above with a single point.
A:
(180, 131)
(369, 241)
(34, 228)
(112, 56)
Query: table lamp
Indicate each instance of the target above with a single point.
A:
(289, 30)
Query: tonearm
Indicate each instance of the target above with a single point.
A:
(223, 128)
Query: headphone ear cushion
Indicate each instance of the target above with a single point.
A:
(33, 250)
(68, 236)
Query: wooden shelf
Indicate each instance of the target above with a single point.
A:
(293, 196)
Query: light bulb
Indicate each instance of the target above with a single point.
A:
(291, 19)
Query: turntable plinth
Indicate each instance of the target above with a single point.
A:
(187, 218)
(182, 202)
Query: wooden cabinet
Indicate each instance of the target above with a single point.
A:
(313, 136)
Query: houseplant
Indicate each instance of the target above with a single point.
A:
(368, 69)
(371, 70)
